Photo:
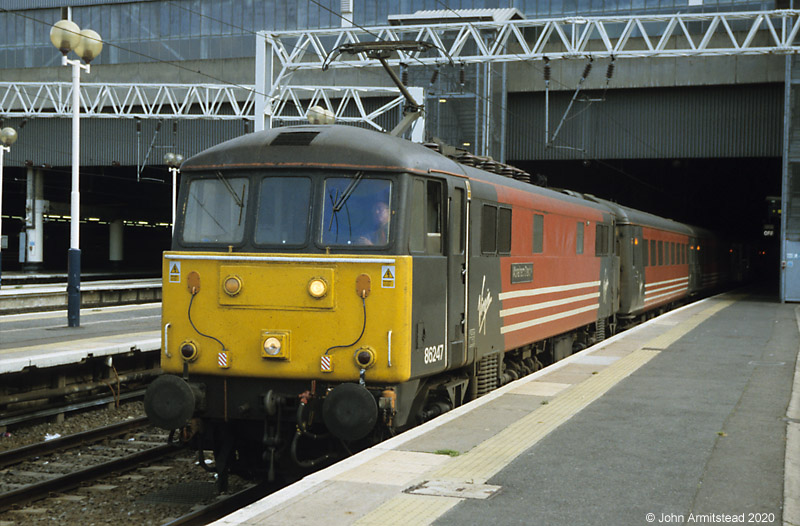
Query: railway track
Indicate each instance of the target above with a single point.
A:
(139, 475)
(28, 474)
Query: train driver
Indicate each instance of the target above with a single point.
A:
(379, 221)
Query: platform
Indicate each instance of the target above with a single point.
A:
(683, 419)
(41, 295)
(44, 340)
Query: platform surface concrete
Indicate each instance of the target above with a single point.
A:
(43, 339)
(693, 417)
(38, 296)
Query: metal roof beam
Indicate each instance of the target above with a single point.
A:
(672, 35)
(142, 101)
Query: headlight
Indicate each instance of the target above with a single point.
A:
(232, 285)
(275, 345)
(272, 346)
(317, 288)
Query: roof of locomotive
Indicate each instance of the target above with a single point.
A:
(324, 146)
(348, 148)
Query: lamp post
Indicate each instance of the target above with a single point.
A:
(66, 36)
(7, 137)
(174, 161)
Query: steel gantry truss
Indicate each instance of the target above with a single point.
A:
(638, 36)
(143, 101)
(281, 54)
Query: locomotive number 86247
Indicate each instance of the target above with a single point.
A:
(329, 286)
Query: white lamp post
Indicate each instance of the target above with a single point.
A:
(7, 137)
(66, 36)
(174, 161)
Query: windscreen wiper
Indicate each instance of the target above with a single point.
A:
(238, 200)
(341, 201)
(347, 192)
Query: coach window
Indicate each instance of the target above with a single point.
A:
(660, 253)
(601, 241)
(653, 254)
(579, 238)
(489, 229)
(672, 253)
(538, 233)
(646, 252)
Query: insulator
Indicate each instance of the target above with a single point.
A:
(547, 72)
(610, 71)
(434, 76)
(587, 69)
(462, 75)
(404, 75)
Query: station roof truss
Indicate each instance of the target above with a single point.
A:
(116, 100)
(279, 55)
(638, 36)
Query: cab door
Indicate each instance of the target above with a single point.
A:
(429, 311)
(457, 270)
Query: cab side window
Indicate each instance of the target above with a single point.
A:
(489, 229)
(495, 230)
(426, 217)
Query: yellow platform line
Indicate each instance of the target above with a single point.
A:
(408, 510)
(492, 455)
(489, 457)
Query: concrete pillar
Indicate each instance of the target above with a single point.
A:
(115, 243)
(34, 221)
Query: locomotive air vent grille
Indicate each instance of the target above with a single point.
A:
(294, 139)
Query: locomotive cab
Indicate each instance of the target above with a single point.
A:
(309, 298)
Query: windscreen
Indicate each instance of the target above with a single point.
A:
(356, 211)
(216, 210)
(283, 209)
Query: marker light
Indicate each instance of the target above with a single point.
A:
(189, 351)
(365, 357)
(232, 285)
(317, 288)
(272, 346)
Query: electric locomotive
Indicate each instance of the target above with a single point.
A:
(329, 286)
